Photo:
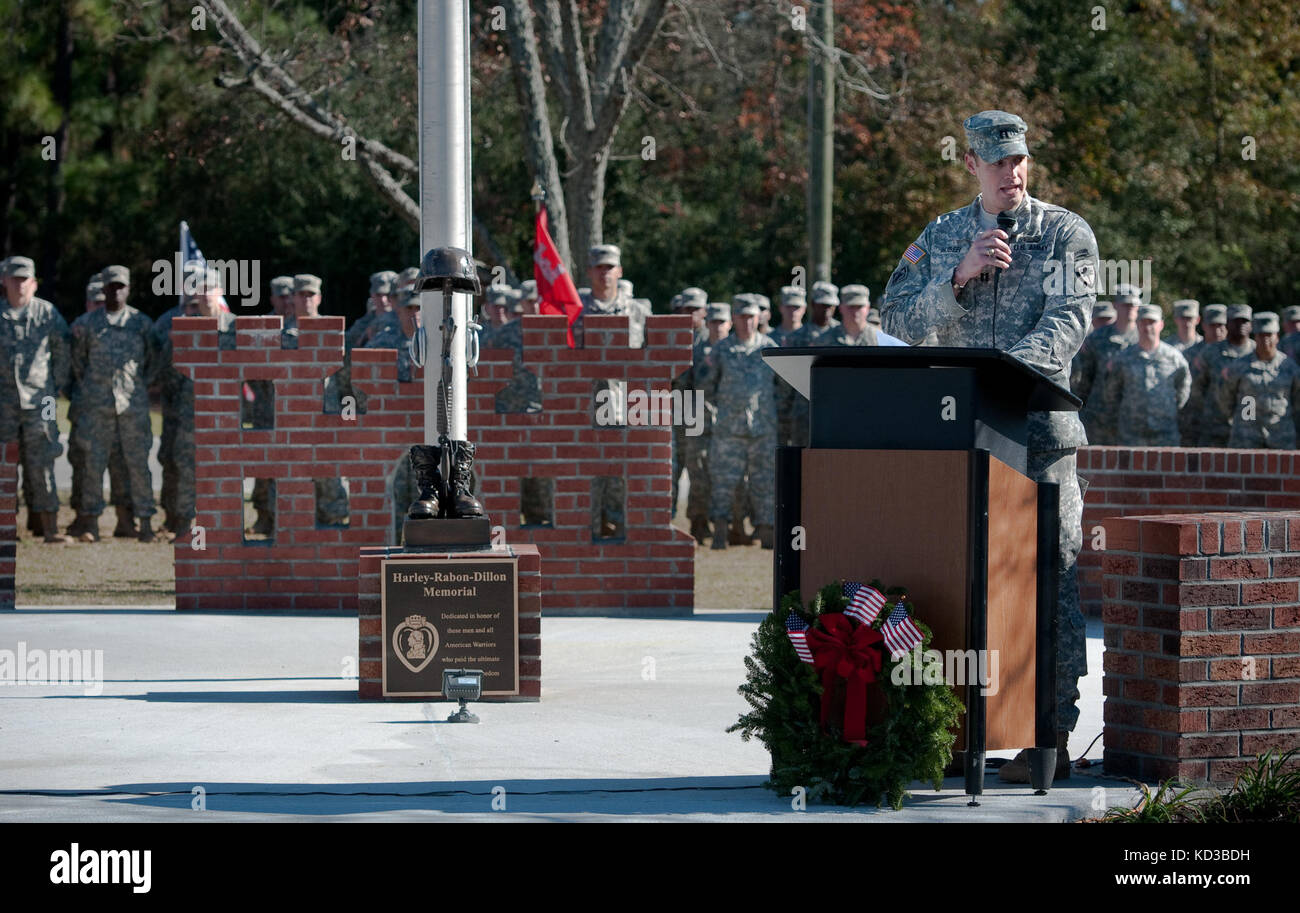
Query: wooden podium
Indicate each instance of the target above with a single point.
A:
(916, 474)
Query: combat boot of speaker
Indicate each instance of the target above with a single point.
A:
(125, 528)
(426, 463)
(765, 536)
(35, 523)
(50, 523)
(460, 489)
(1017, 769)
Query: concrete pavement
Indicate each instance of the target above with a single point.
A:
(256, 717)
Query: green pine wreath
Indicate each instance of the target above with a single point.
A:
(913, 742)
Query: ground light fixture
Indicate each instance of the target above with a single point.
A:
(463, 685)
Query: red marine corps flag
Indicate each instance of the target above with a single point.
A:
(555, 286)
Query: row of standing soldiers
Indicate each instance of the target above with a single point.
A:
(1222, 388)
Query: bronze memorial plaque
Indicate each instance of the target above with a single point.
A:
(458, 614)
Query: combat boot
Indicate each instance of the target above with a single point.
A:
(35, 523)
(463, 503)
(737, 535)
(78, 526)
(146, 531)
(1017, 769)
(426, 463)
(720, 534)
(50, 523)
(765, 536)
(125, 528)
(699, 529)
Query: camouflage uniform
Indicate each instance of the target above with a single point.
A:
(792, 407)
(178, 390)
(1042, 328)
(162, 331)
(695, 449)
(114, 360)
(1213, 425)
(1088, 379)
(742, 387)
(1289, 345)
(119, 488)
(34, 363)
(1275, 388)
(840, 337)
(1144, 391)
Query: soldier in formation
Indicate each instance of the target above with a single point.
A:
(1146, 385)
(1212, 426)
(1088, 370)
(1258, 392)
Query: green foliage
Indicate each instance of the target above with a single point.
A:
(1166, 805)
(1266, 791)
(913, 742)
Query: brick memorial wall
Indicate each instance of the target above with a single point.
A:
(1126, 481)
(650, 570)
(1202, 635)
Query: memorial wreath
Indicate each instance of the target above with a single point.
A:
(839, 701)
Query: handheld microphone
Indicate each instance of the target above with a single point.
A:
(1006, 222)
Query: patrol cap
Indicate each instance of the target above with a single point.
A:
(408, 275)
(1215, 313)
(793, 296)
(1103, 309)
(996, 134)
(824, 292)
(744, 303)
(1264, 322)
(695, 293)
(689, 302)
(1239, 312)
(854, 296)
(718, 311)
(282, 285)
(502, 295)
(1187, 307)
(19, 268)
(382, 282)
(528, 289)
(95, 289)
(111, 274)
(602, 254)
(306, 282)
(1291, 313)
(625, 287)
(1149, 312)
(1127, 294)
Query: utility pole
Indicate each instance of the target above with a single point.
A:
(821, 138)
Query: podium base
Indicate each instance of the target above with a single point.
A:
(471, 534)
(1042, 769)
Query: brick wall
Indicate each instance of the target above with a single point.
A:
(370, 620)
(650, 571)
(1125, 481)
(8, 521)
(1202, 631)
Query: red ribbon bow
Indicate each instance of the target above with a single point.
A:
(852, 653)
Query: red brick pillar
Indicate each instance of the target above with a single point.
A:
(1202, 633)
(8, 521)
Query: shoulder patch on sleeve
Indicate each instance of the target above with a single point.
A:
(913, 254)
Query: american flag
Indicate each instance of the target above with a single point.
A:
(190, 253)
(900, 634)
(913, 254)
(864, 602)
(797, 630)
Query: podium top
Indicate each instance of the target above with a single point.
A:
(794, 365)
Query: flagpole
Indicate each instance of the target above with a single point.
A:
(445, 192)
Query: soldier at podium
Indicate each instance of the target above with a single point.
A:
(1013, 273)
